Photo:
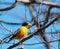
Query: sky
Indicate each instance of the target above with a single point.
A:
(20, 14)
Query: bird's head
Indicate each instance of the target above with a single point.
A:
(26, 24)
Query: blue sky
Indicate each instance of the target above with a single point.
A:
(17, 15)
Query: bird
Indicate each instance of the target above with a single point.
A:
(21, 32)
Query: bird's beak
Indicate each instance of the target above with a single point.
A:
(29, 24)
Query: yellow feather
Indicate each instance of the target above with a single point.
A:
(21, 32)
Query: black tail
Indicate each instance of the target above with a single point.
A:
(11, 38)
(8, 41)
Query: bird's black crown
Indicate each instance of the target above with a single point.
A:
(25, 24)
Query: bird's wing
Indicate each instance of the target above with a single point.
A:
(15, 33)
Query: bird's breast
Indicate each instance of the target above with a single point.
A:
(21, 32)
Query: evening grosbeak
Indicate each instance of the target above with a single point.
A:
(21, 32)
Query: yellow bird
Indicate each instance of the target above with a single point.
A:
(21, 32)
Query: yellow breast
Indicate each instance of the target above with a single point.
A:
(21, 32)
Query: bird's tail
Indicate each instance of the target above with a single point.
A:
(11, 38)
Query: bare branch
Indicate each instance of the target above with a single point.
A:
(28, 3)
(47, 15)
(10, 23)
(34, 18)
(42, 28)
(8, 8)
(41, 42)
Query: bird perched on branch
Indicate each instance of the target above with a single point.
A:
(21, 32)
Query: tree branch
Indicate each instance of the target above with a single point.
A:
(32, 34)
(8, 8)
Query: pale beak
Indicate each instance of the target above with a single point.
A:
(29, 24)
